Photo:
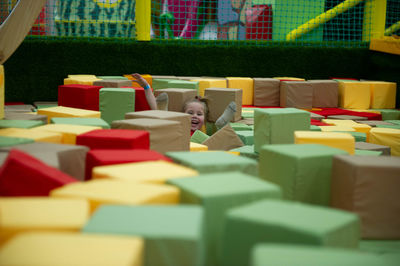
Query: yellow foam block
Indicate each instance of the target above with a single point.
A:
(147, 77)
(210, 83)
(1, 91)
(383, 95)
(68, 132)
(233, 152)
(290, 78)
(365, 110)
(338, 122)
(198, 147)
(40, 136)
(147, 172)
(68, 249)
(80, 79)
(62, 111)
(387, 44)
(19, 214)
(104, 191)
(387, 137)
(337, 128)
(337, 140)
(247, 86)
(354, 95)
(80, 76)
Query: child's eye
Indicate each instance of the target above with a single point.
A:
(190, 112)
(200, 114)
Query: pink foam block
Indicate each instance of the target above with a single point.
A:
(79, 96)
(24, 175)
(108, 157)
(115, 139)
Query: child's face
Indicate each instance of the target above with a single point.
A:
(197, 112)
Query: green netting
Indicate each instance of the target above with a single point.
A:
(225, 22)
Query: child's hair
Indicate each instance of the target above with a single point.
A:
(201, 100)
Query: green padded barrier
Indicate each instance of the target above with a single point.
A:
(10, 141)
(83, 121)
(358, 136)
(396, 122)
(114, 103)
(247, 151)
(246, 136)
(287, 223)
(183, 84)
(173, 234)
(367, 152)
(20, 123)
(198, 137)
(160, 83)
(390, 126)
(314, 128)
(112, 77)
(293, 255)
(217, 193)
(303, 171)
(240, 127)
(389, 114)
(277, 126)
(215, 161)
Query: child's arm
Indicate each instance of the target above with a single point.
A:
(151, 100)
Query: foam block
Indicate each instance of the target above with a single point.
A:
(216, 161)
(240, 126)
(101, 157)
(368, 186)
(266, 92)
(177, 97)
(61, 111)
(338, 140)
(354, 95)
(141, 103)
(316, 116)
(205, 83)
(247, 151)
(197, 147)
(24, 175)
(147, 77)
(68, 132)
(115, 139)
(82, 121)
(80, 79)
(325, 93)
(165, 135)
(347, 117)
(389, 114)
(367, 152)
(303, 171)
(247, 137)
(224, 139)
(276, 126)
(19, 108)
(199, 137)
(157, 172)
(342, 128)
(383, 94)
(79, 96)
(39, 136)
(21, 214)
(1, 91)
(386, 137)
(10, 141)
(112, 77)
(20, 123)
(23, 116)
(278, 222)
(173, 234)
(113, 83)
(72, 249)
(115, 102)
(183, 119)
(219, 99)
(297, 94)
(99, 192)
(247, 87)
(217, 193)
(183, 84)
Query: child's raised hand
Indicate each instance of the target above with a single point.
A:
(139, 79)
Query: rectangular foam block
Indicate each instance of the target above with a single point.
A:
(20, 123)
(247, 87)
(224, 139)
(387, 137)
(183, 84)
(347, 117)
(165, 135)
(188, 78)
(325, 93)
(80, 79)
(173, 235)
(47, 248)
(100, 192)
(266, 92)
(198, 137)
(389, 114)
(247, 137)
(79, 96)
(367, 186)
(113, 83)
(23, 116)
(112, 77)
(219, 99)
(367, 153)
(141, 103)
(39, 136)
(161, 83)
(215, 161)
(385, 150)
(24, 175)
(61, 111)
(115, 103)
(217, 193)
(183, 119)
(354, 95)
(247, 151)
(273, 221)
(20, 214)
(383, 94)
(316, 116)
(343, 127)
(1, 91)
(147, 77)
(338, 140)
(302, 171)
(82, 121)
(205, 83)
(276, 126)
(10, 141)
(157, 172)
(177, 97)
(297, 94)
(197, 147)
(19, 108)
(240, 126)
(68, 132)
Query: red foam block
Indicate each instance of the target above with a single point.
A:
(337, 111)
(79, 96)
(141, 103)
(108, 157)
(24, 175)
(115, 139)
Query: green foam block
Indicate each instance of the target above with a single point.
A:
(247, 151)
(113, 77)
(273, 221)
(20, 123)
(183, 84)
(389, 114)
(395, 126)
(83, 121)
(358, 136)
(114, 103)
(314, 128)
(367, 152)
(303, 171)
(173, 234)
(10, 141)
(247, 137)
(217, 193)
(240, 127)
(160, 83)
(198, 137)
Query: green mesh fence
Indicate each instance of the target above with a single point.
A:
(226, 22)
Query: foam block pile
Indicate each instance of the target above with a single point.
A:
(306, 173)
